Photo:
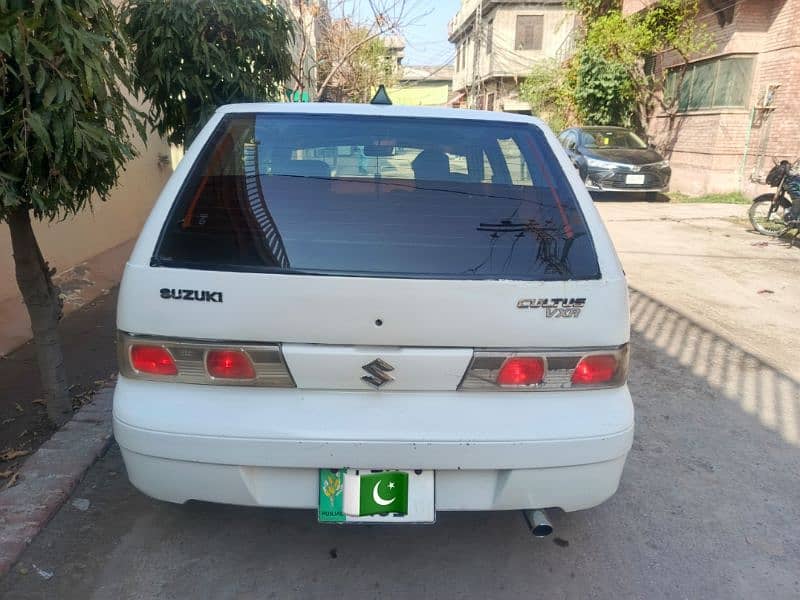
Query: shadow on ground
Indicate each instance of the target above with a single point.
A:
(707, 509)
(758, 388)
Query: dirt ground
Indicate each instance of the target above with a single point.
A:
(707, 507)
(704, 261)
(88, 336)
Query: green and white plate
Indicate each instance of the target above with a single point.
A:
(376, 496)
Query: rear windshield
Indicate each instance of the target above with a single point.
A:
(381, 197)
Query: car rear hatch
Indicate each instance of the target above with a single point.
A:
(379, 252)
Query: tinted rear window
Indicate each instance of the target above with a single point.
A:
(378, 196)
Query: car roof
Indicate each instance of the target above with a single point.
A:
(382, 110)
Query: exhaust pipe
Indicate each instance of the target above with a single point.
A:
(538, 523)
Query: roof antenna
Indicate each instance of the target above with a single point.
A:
(381, 97)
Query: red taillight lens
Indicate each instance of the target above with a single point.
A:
(153, 359)
(229, 364)
(521, 370)
(592, 370)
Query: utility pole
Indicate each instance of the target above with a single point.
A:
(477, 36)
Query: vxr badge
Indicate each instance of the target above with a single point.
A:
(378, 371)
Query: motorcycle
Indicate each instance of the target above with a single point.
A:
(770, 213)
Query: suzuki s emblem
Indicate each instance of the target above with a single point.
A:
(378, 371)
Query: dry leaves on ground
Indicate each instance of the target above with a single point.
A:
(12, 454)
(12, 481)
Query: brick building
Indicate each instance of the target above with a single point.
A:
(739, 104)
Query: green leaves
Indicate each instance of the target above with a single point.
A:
(36, 124)
(195, 55)
(65, 120)
(550, 90)
(5, 42)
(611, 84)
(589, 10)
(604, 92)
(49, 94)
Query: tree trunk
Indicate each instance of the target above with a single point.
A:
(41, 297)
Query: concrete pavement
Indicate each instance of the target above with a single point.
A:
(48, 477)
(703, 260)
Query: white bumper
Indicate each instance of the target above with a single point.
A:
(262, 447)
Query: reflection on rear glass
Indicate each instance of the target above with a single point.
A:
(379, 196)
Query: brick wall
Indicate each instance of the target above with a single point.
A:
(719, 149)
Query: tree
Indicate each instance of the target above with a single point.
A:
(192, 56)
(619, 78)
(65, 134)
(604, 91)
(614, 80)
(357, 75)
(550, 90)
(345, 36)
(589, 10)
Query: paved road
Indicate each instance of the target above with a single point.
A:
(701, 259)
(708, 506)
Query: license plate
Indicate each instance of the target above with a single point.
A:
(376, 496)
(634, 179)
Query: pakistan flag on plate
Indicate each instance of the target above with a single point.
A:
(368, 494)
(355, 495)
(375, 496)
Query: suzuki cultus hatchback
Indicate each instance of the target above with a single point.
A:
(377, 313)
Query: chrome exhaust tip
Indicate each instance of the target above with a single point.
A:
(538, 523)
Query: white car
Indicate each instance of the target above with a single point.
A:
(378, 313)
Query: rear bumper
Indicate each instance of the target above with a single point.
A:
(569, 488)
(490, 451)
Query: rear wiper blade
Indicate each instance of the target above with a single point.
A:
(508, 226)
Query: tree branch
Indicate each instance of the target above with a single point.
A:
(324, 85)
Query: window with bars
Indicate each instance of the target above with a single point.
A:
(489, 36)
(529, 32)
(717, 83)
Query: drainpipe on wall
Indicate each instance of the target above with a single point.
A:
(766, 114)
(746, 148)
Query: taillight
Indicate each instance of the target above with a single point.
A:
(229, 364)
(202, 362)
(154, 360)
(595, 369)
(543, 370)
(521, 371)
